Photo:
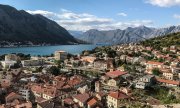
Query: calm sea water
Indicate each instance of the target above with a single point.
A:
(47, 50)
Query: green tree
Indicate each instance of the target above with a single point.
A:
(55, 70)
(156, 71)
(161, 59)
(59, 63)
(39, 69)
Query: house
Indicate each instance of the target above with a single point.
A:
(11, 57)
(141, 85)
(113, 82)
(115, 77)
(38, 62)
(175, 69)
(81, 99)
(145, 81)
(150, 65)
(123, 57)
(66, 93)
(76, 81)
(49, 92)
(149, 48)
(103, 64)
(5, 83)
(125, 90)
(115, 74)
(83, 89)
(37, 90)
(148, 79)
(165, 48)
(7, 64)
(53, 103)
(169, 83)
(101, 95)
(25, 93)
(153, 64)
(88, 59)
(60, 55)
(98, 86)
(68, 102)
(92, 103)
(173, 49)
(16, 101)
(129, 59)
(114, 99)
(168, 75)
(175, 63)
(121, 68)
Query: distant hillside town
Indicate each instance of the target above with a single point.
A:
(121, 76)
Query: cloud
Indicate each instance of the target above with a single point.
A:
(176, 16)
(85, 21)
(122, 14)
(47, 14)
(164, 3)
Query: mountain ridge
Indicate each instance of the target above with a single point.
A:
(128, 35)
(20, 26)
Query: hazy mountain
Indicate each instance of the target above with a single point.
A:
(76, 34)
(20, 26)
(125, 36)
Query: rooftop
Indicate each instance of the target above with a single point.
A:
(116, 73)
(118, 95)
(92, 102)
(82, 97)
(155, 63)
(168, 81)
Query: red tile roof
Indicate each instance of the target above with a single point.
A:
(11, 95)
(37, 88)
(40, 100)
(92, 102)
(118, 95)
(155, 63)
(50, 91)
(116, 73)
(82, 97)
(74, 82)
(66, 87)
(101, 94)
(168, 81)
(5, 83)
(68, 101)
(59, 84)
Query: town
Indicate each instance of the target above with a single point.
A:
(119, 76)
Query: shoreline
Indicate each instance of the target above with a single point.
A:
(41, 45)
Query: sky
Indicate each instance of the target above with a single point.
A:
(82, 15)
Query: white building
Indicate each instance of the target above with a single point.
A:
(25, 93)
(11, 57)
(60, 55)
(38, 62)
(8, 64)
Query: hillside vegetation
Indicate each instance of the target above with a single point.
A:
(163, 41)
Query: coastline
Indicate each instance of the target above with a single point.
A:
(22, 46)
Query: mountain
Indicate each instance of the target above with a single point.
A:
(20, 26)
(125, 36)
(163, 41)
(76, 34)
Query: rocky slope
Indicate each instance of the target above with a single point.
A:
(20, 26)
(125, 36)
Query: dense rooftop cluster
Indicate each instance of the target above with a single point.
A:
(128, 76)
